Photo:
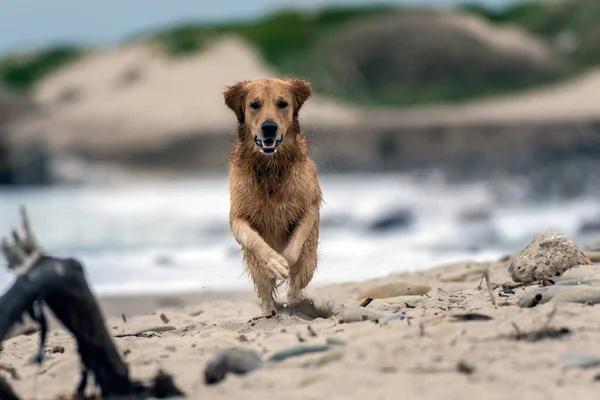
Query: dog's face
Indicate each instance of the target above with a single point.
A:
(267, 108)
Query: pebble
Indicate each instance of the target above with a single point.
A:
(579, 361)
(236, 361)
(297, 351)
(548, 255)
(359, 314)
(331, 341)
(561, 293)
(395, 290)
(396, 317)
(583, 272)
(579, 294)
(577, 282)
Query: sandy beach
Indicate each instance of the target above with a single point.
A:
(427, 355)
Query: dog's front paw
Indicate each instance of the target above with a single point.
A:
(277, 267)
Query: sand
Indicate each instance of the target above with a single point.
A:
(135, 96)
(379, 361)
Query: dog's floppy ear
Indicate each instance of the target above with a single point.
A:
(301, 90)
(234, 98)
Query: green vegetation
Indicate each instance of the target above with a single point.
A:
(280, 37)
(289, 41)
(20, 72)
(577, 18)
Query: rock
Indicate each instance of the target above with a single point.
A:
(331, 341)
(395, 290)
(578, 282)
(582, 361)
(299, 350)
(359, 314)
(566, 293)
(539, 296)
(548, 255)
(396, 317)
(583, 272)
(400, 218)
(236, 361)
(579, 294)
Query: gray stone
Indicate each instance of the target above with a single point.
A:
(396, 317)
(583, 272)
(359, 314)
(582, 293)
(236, 361)
(579, 294)
(548, 255)
(582, 361)
(395, 289)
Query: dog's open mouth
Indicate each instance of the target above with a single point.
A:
(268, 146)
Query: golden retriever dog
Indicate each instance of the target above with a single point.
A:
(275, 197)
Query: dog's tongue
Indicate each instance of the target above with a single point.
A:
(268, 143)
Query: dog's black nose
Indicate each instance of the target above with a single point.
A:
(269, 129)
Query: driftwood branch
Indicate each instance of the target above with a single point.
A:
(62, 286)
(6, 392)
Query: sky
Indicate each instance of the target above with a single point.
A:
(26, 24)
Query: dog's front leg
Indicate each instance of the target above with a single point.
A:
(276, 266)
(299, 236)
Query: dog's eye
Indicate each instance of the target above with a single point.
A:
(255, 105)
(282, 104)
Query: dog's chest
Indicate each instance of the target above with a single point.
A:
(274, 214)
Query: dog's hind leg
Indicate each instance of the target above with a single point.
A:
(263, 284)
(301, 273)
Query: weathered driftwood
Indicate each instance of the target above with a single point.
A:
(6, 392)
(62, 286)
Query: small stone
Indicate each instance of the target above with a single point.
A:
(582, 293)
(396, 317)
(331, 341)
(582, 361)
(549, 255)
(359, 314)
(164, 318)
(299, 350)
(236, 361)
(540, 296)
(579, 294)
(582, 273)
(395, 290)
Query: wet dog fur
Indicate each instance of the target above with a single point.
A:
(275, 197)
